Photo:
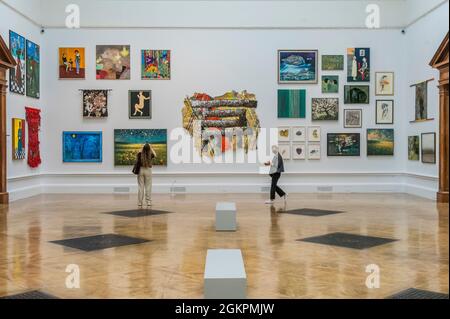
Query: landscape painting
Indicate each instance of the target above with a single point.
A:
(17, 74)
(72, 63)
(380, 142)
(413, 148)
(155, 64)
(33, 65)
(113, 62)
(429, 148)
(95, 103)
(356, 94)
(291, 103)
(421, 101)
(330, 84)
(140, 104)
(332, 62)
(384, 83)
(129, 142)
(82, 147)
(343, 144)
(18, 139)
(325, 109)
(358, 65)
(297, 66)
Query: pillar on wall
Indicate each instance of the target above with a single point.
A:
(6, 62)
(440, 62)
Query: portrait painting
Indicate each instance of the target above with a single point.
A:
(352, 118)
(330, 84)
(129, 142)
(325, 109)
(413, 148)
(358, 65)
(140, 104)
(380, 142)
(33, 66)
(155, 64)
(429, 148)
(297, 66)
(95, 103)
(384, 112)
(291, 103)
(82, 147)
(343, 144)
(113, 62)
(18, 139)
(17, 73)
(384, 83)
(72, 63)
(356, 94)
(332, 62)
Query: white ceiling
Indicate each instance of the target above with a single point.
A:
(224, 13)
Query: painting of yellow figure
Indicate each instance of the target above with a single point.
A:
(18, 139)
(113, 62)
(72, 63)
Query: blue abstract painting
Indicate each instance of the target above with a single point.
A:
(297, 66)
(82, 147)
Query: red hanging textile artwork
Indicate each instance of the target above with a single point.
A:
(33, 117)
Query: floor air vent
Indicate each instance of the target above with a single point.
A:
(121, 190)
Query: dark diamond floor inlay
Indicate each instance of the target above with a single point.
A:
(413, 293)
(311, 212)
(99, 242)
(138, 213)
(348, 240)
(30, 295)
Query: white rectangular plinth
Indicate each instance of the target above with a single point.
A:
(225, 276)
(226, 216)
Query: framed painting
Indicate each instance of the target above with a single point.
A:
(325, 109)
(298, 151)
(384, 83)
(413, 148)
(330, 83)
(18, 139)
(33, 66)
(421, 101)
(82, 147)
(314, 134)
(298, 134)
(332, 62)
(291, 103)
(429, 148)
(155, 64)
(285, 150)
(113, 62)
(384, 112)
(352, 118)
(72, 63)
(356, 94)
(358, 65)
(380, 142)
(284, 134)
(314, 151)
(129, 142)
(17, 74)
(95, 103)
(343, 144)
(140, 104)
(297, 66)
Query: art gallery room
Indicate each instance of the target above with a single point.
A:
(224, 149)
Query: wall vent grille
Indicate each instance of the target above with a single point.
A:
(325, 189)
(121, 190)
(178, 189)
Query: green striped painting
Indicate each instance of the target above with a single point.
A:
(292, 104)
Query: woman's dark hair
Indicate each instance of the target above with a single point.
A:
(146, 155)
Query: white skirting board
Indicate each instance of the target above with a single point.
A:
(418, 185)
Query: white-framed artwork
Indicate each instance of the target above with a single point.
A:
(314, 134)
(298, 151)
(284, 134)
(298, 134)
(314, 151)
(285, 150)
(384, 83)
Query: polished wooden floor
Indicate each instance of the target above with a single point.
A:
(172, 264)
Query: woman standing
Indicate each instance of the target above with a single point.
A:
(143, 169)
(276, 168)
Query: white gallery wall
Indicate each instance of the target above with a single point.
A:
(213, 61)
